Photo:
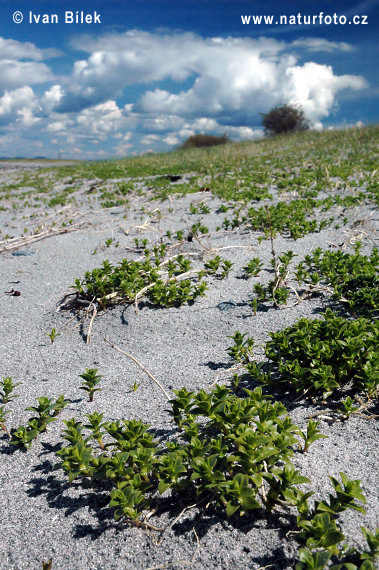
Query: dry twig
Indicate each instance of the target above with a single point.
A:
(94, 313)
(140, 365)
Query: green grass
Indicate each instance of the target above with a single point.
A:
(301, 165)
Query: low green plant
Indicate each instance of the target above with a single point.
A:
(175, 293)
(287, 218)
(352, 277)
(59, 405)
(226, 268)
(7, 387)
(95, 424)
(77, 460)
(52, 335)
(165, 282)
(327, 354)
(73, 432)
(46, 411)
(242, 350)
(212, 266)
(253, 268)
(23, 436)
(204, 208)
(233, 451)
(348, 407)
(141, 244)
(193, 209)
(311, 435)
(254, 306)
(91, 380)
(199, 229)
(135, 386)
(218, 266)
(321, 537)
(276, 291)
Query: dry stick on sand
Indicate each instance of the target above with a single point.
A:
(15, 243)
(94, 313)
(140, 365)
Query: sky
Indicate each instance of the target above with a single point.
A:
(99, 79)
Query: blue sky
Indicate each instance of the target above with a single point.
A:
(150, 73)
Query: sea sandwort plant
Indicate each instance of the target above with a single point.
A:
(7, 387)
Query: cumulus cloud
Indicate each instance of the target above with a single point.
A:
(18, 105)
(12, 49)
(231, 79)
(314, 86)
(102, 119)
(21, 64)
(19, 73)
(52, 97)
(149, 139)
(142, 89)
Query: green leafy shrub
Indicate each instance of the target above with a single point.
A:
(284, 119)
(91, 380)
(217, 264)
(291, 218)
(160, 280)
(7, 386)
(327, 354)
(233, 451)
(46, 411)
(253, 268)
(354, 277)
(23, 436)
(276, 290)
(321, 537)
(242, 350)
(204, 140)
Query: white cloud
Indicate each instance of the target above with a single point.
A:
(186, 84)
(15, 73)
(59, 127)
(12, 49)
(233, 78)
(149, 139)
(123, 148)
(101, 119)
(26, 117)
(321, 44)
(52, 97)
(314, 87)
(18, 104)
(171, 139)
(21, 64)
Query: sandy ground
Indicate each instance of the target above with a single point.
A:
(41, 515)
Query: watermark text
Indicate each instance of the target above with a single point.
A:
(304, 20)
(68, 17)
